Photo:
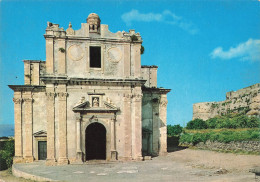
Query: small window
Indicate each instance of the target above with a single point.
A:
(95, 57)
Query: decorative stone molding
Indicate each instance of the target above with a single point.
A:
(75, 52)
(28, 100)
(138, 97)
(93, 118)
(113, 118)
(79, 118)
(163, 103)
(17, 100)
(70, 31)
(50, 95)
(127, 97)
(63, 95)
(114, 54)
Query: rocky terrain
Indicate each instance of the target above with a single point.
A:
(245, 100)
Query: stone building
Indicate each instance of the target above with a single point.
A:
(245, 100)
(90, 99)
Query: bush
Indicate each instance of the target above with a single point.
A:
(196, 124)
(174, 130)
(233, 121)
(224, 136)
(6, 155)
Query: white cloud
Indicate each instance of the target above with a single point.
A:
(249, 50)
(165, 17)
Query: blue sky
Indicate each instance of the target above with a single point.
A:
(203, 48)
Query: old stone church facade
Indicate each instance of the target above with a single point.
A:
(90, 99)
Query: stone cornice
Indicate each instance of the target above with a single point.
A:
(95, 110)
(91, 81)
(27, 87)
(34, 61)
(156, 90)
(149, 66)
(107, 39)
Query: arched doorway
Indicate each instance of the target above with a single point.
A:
(95, 143)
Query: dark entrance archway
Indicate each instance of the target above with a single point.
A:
(95, 136)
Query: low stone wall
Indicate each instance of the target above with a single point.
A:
(248, 146)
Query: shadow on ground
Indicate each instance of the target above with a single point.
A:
(173, 144)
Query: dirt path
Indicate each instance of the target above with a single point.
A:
(217, 160)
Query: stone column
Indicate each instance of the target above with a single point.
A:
(63, 159)
(163, 124)
(128, 126)
(18, 127)
(28, 119)
(113, 139)
(79, 151)
(137, 126)
(50, 108)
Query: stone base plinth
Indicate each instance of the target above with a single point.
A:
(147, 158)
(18, 159)
(139, 158)
(125, 158)
(79, 159)
(63, 161)
(28, 159)
(113, 155)
(50, 162)
(163, 153)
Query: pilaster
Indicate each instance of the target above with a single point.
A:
(137, 126)
(61, 57)
(63, 158)
(28, 119)
(156, 123)
(127, 60)
(137, 60)
(128, 126)
(79, 151)
(163, 125)
(50, 108)
(49, 56)
(113, 139)
(18, 127)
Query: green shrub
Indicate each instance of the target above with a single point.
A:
(196, 124)
(211, 123)
(6, 155)
(233, 121)
(224, 136)
(174, 130)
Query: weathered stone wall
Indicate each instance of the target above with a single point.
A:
(248, 146)
(149, 73)
(244, 100)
